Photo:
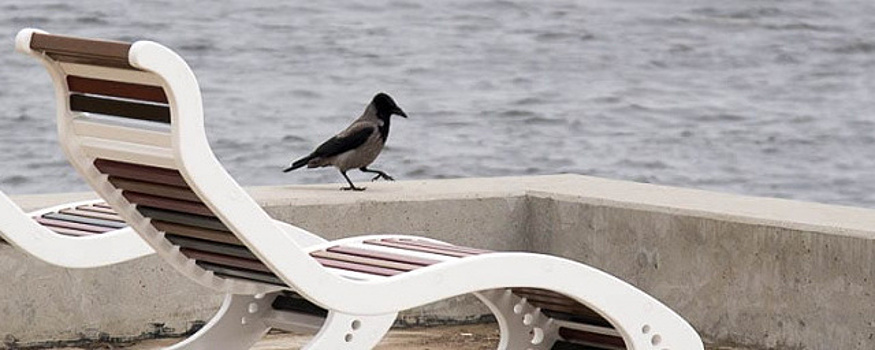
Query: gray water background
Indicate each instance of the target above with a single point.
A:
(758, 97)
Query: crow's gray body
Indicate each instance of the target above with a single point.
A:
(358, 145)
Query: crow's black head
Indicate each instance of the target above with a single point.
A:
(386, 106)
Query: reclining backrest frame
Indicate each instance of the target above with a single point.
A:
(137, 108)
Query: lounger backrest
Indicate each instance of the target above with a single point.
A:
(131, 121)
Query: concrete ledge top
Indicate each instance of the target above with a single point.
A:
(831, 219)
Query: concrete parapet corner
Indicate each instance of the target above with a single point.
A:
(748, 271)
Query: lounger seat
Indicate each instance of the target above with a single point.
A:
(130, 118)
(83, 234)
(81, 220)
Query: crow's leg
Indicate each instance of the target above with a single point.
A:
(351, 185)
(380, 174)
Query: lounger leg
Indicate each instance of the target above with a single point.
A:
(343, 331)
(522, 326)
(237, 325)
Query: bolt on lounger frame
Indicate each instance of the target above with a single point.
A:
(130, 118)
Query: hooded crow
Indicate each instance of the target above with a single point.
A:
(358, 145)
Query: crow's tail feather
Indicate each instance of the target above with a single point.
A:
(298, 163)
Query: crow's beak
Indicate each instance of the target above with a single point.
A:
(398, 111)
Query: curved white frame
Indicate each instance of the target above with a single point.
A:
(642, 321)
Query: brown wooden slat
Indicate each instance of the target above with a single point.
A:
(168, 203)
(565, 307)
(81, 50)
(96, 209)
(91, 214)
(416, 248)
(577, 318)
(579, 336)
(116, 89)
(72, 225)
(84, 220)
(553, 301)
(183, 218)
(544, 295)
(140, 172)
(383, 255)
(538, 291)
(182, 193)
(71, 232)
(225, 260)
(348, 266)
(211, 247)
(294, 302)
(576, 310)
(227, 272)
(365, 261)
(564, 345)
(103, 205)
(120, 108)
(449, 247)
(197, 232)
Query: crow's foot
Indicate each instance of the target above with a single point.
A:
(384, 176)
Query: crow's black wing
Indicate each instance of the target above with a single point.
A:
(339, 144)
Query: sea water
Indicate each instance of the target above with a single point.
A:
(758, 97)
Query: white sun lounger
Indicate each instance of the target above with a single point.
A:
(131, 122)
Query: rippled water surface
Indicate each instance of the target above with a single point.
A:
(771, 98)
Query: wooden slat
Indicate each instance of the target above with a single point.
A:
(225, 260)
(227, 272)
(91, 214)
(373, 270)
(579, 312)
(183, 219)
(168, 203)
(383, 255)
(545, 296)
(197, 232)
(579, 336)
(84, 220)
(365, 261)
(96, 209)
(116, 89)
(71, 232)
(120, 108)
(290, 301)
(72, 225)
(591, 319)
(181, 193)
(145, 173)
(564, 345)
(111, 73)
(406, 246)
(81, 50)
(448, 247)
(559, 306)
(212, 247)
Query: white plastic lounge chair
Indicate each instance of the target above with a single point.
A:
(75, 235)
(131, 122)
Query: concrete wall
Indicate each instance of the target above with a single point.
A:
(760, 272)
